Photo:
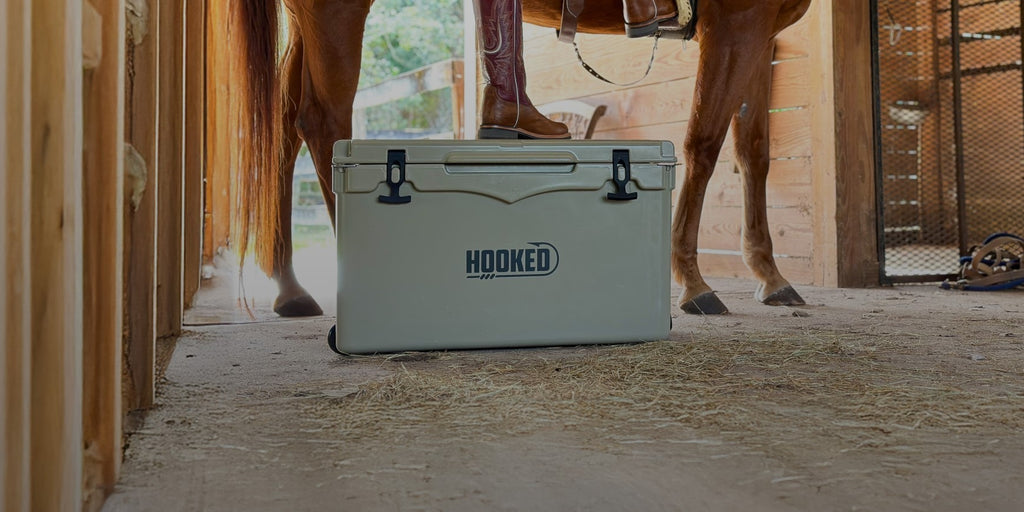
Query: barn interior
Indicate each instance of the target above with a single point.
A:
(141, 370)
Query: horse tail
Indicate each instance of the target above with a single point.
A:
(258, 183)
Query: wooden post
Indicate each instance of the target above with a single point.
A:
(3, 265)
(217, 210)
(141, 175)
(469, 69)
(56, 241)
(857, 260)
(170, 162)
(458, 95)
(103, 199)
(844, 228)
(195, 133)
(15, 230)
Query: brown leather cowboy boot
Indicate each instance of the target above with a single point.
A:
(644, 16)
(506, 112)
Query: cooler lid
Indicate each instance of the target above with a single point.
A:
(497, 152)
(506, 170)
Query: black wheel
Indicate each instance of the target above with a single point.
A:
(332, 340)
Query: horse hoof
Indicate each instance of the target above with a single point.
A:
(303, 305)
(706, 303)
(786, 296)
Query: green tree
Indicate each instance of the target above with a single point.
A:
(403, 35)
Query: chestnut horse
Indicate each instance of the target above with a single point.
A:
(310, 99)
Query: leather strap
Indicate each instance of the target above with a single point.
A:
(571, 10)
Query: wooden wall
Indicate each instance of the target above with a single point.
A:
(103, 262)
(806, 148)
(14, 231)
(73, 245)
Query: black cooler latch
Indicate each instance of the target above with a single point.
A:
(396, 177)
(621, 175)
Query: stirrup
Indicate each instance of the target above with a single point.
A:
(652, 27)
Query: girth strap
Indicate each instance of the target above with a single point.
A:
(571, 10)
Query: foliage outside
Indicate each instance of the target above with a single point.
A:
(401, 36)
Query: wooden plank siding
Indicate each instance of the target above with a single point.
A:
(195, 146)
(219, 142)
(103, 216)
(807, 137)
(141, 124)
(659, 107)
(170, 163)
(56, 269)
(15, 231)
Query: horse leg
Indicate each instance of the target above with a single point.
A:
(292, 299)
(330, 76)
(750, 133)
(727, 60)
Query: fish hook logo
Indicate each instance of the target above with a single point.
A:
(541, 259)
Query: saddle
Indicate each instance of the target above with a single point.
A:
(683, 27)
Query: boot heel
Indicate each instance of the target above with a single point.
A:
(644, 31)
(497, 133)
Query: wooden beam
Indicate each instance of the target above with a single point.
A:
(823, 142)
(3, 264)
(217, 208)
(141, 172)
(856, 231)
(56, 290)
(170, 164)
(428, 78)
(92, 36)
(458, 93)
(15, 230)
(103, 260)
(195, 147)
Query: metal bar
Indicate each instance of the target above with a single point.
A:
(938, 132)
(876, 96)
(979, 4)
(926, 278)
(973, 37)
(958, 129)
(984, 70)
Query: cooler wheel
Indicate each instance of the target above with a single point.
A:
(332, 340)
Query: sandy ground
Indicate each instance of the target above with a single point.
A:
(907, 398)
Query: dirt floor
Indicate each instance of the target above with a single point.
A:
(907, 398)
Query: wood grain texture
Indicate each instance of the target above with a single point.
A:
(820, 133)
(15, 230)
(141, 220)
(218, 197)
(195, 146)
(170, 164)
(56, 273)
(857, 259)
(103, 259)
(822, 110)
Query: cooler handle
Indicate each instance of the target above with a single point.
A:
(511, 158)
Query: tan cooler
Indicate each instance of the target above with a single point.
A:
(486, 244)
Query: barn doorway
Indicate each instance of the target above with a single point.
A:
(949, 99)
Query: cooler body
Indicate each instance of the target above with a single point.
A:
(487, 244)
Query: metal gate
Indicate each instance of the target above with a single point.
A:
(949, 110)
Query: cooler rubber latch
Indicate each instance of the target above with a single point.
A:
(621, 175)
(396, 177)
